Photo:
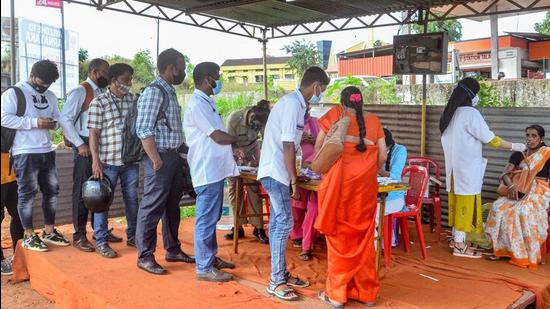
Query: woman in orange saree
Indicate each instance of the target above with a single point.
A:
(347, 204)
(517, 224)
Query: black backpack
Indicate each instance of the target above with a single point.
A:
(132, 149)
(8, 135)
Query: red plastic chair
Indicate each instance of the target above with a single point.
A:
(434, 199)
(418, 181)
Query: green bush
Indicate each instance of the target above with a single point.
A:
(381, 91)
(488, 96)
(226, 105)
(187, 212)
(333, 91)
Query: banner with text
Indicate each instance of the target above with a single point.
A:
(49, 3)
(39, 41)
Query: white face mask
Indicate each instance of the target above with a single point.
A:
(125, 89)
(475, 100)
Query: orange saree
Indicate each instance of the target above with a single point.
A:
(347, 207)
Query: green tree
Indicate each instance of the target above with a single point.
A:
(6, 60)
(304, 54)
(452, 26)
(144, 69)
(83, 64)
(82, 55)
(544, 26)
(117, 59)
(377, 43)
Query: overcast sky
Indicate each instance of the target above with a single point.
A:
(107, 33)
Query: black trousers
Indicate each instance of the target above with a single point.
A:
(162, 194)
(82, 171)
(9, 200)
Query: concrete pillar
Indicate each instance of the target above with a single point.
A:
(494, 45)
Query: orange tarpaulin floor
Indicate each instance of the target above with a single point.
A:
(75, 279)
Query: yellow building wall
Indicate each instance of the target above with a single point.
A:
(253, 74)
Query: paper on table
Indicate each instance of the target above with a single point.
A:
(386, 181)
(248, 169)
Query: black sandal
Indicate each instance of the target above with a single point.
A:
(295, 281)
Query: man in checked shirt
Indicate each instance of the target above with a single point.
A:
(159, 127)
(106, 124)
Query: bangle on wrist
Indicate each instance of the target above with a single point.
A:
(511, 186)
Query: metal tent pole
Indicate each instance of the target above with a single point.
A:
(424, 107)
(13, 70)
(264, 49)
(494, 45)
(64, 66)
(158, 39)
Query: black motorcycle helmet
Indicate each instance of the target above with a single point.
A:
(97, 195)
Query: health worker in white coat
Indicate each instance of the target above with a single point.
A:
(463, 133)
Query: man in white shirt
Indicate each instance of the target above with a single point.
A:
(210, 160)
(33, 153)
(277, 173)
(74, 117)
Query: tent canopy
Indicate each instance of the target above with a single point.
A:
(270, 19)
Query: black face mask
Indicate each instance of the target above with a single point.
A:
(102, 82)
(178, 79)
(39, 88)
(254, 126)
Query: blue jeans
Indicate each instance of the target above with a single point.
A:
(36, 170)
(129, 180)
(280, 225)
(208, 212)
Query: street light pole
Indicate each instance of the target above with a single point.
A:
(424, 102)
(64, 66)
(12, 43)
(264, 49)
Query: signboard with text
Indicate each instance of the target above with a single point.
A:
(7, 28)
(49, 3)
(39, 41)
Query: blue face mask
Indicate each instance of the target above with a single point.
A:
(315, 99)
(218, 88)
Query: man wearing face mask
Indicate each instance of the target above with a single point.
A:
(106, 124)
(210, 161)
(33, 153)
(74, 117)
(159, 127)
(463, 133)
(247, 124)
(277, 173)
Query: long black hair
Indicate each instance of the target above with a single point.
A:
(357, 105)
(390, 143)
(462, 95)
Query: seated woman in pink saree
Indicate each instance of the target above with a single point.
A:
(518, 223)
(304, 211)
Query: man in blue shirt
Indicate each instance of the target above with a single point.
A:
(159, 127)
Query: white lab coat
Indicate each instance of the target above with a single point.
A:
(462, 145)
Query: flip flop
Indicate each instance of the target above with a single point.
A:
(287, 294)
(466, 252)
